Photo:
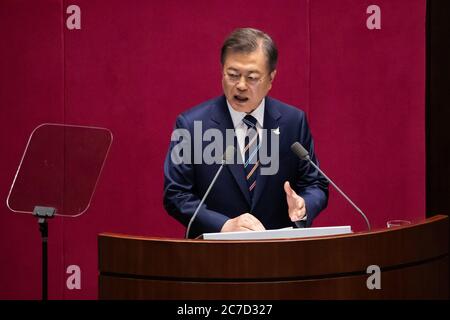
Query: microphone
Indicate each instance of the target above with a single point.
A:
(303, 154)
(227, 156)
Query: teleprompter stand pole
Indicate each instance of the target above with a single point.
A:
(44, 213)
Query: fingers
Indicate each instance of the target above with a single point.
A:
(251, 222)
(297, 215)
(288, 189)
(297, 210)
(244, 222)
(296, 204)
(244, 229)
(257, 224)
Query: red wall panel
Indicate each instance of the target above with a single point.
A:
(31, 93)
(367, 108)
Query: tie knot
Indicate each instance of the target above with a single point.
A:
(250, 121)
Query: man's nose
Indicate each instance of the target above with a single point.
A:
(242, 84)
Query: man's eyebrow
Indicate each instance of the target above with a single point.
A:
(249, 71)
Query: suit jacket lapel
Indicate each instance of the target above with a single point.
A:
(271, 116)
(221, 116)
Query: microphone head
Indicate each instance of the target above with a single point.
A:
(301, 152)
(228, 155)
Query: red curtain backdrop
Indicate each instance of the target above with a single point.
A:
(134, 65)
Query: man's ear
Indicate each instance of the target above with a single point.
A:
(272, 75)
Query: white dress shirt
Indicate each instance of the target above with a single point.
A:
(240, 127)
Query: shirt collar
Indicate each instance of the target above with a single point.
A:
(237, 116)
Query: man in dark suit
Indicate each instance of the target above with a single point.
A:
(244, 197)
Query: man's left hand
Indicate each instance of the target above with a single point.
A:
(296, 204)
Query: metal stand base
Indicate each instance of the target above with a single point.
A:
(43, 213)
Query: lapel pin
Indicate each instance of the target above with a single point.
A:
(277, 131)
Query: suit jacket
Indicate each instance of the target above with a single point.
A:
(185, 184)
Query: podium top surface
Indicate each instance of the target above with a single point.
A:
(440, 219)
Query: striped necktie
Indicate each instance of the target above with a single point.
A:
(251, 159)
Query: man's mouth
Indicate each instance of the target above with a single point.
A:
(240, 98)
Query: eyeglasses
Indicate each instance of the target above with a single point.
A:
(234, 78)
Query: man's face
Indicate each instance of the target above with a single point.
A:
(246, 79)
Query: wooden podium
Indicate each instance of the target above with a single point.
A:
(413, 261)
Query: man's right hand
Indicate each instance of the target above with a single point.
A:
(244, 222)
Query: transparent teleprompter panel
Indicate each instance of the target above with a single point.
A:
(60, 168)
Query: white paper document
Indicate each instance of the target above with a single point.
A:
(285, 233)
